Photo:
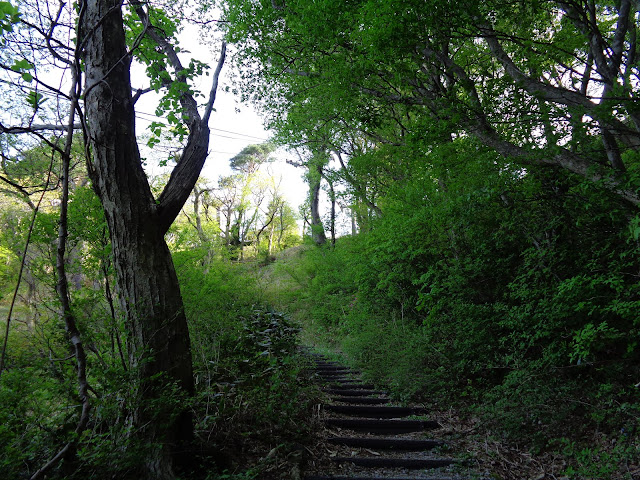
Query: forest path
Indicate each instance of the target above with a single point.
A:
(367, 438)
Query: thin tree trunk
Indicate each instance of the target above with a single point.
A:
(270, 244)
(206, 243)
(354, 227)
(62, 289)
(281, 229)
(30, 300)
(227, 228)
(332, 198)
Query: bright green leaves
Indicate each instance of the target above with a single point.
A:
(170, 106)
(634, 228)
(591, 339)
(145, 49)
(20, 55)
(251, 157)
(23, 66)
(35, 99)
(156, 132)
(173, 86)
(9, 16)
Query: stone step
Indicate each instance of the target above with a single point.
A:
(388, 427)
(353, 393)
(375, 411)
(374, 477)
(408, 463)
(330, 375)
(336, 379)
(331, 368)
(361, 400)
(351, 386)
(386, 443)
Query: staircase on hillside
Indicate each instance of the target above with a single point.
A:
(369, 439)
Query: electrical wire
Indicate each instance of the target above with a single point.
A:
(239, 135)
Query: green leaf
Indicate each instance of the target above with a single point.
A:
(634, 228)
(9, 16)
(35, 99)
(21, 65)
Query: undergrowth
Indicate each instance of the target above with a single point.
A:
(253, 404)
(524, 390)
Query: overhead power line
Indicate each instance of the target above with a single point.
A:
(238, 134)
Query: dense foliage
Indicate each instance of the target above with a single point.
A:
(247, 367)
(245, 356)
(512, 305)
(542, 83)
(488, 152)
(488, 156)
(95, 273)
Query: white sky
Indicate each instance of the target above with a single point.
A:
(233, 126)
(246, 128)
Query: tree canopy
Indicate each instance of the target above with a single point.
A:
(547, 83)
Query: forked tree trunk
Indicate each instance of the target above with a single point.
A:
(147, 285)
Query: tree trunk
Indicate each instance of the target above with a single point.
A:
(206, 242)
(146, 281)
(270, 245)
(317, 228)
(354, 228)
(227, 228)
(31, 300)
(332, 197)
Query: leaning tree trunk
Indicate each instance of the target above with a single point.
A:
(147, 284)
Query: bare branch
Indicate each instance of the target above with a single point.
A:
(356, 185)
(554, 94)
(621, 31)
(140, 92)
(47, 127)
(214, 85)
(22, 190)
(62, 287)
(48, 37)
(565, 159)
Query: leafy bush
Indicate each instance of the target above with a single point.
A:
(513, 295)
(253, 396)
